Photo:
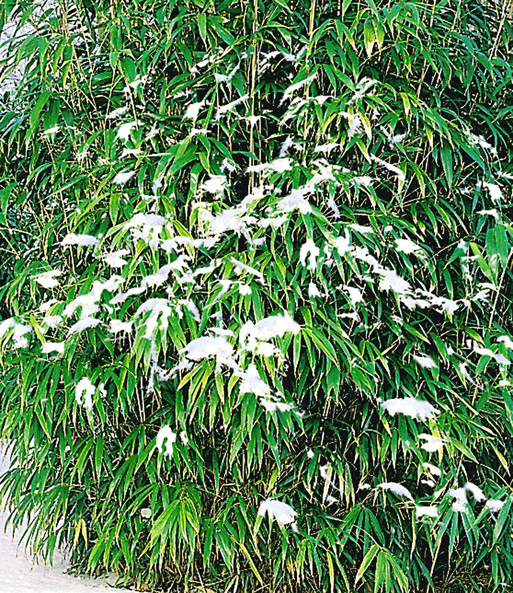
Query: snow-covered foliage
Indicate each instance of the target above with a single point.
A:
(256, 320)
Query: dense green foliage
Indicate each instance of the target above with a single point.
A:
(379, 221)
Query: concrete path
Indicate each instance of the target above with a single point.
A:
(19, 575)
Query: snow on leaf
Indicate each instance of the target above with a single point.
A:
(275, 326)
(279, 165)
(49, 347)
(244, 289)
(159, 277)
(342, 244)
(426, 511)
(313, 290)
(159, 309)
(117, 112)
(398, 489)
(494, 505)
(309, 247)
(295, 87)
(327, 148)
(165, 440)
(436, 471)
(355, 294)
(275, 222)
(433, 443)
(409, 406)
(476, 492)
(273, 405)
(278, 511)
(507, 341)
(362, 180)
(52, 321)
(493, 212)
(230, 106)
(47, 279)
(19, 335)
(425, 361)
(88, 302)
(252, 383)
(359, 228)
(83, 324)
(221, 331)
(81, 240)
(115, 259)
(460, 503)
(240, 267)
(355, 123)
(494, 190)
(388, 166)
(266, 329)
(392, 281)
(44, 307)
(191, 307)
(140, 220)
(117, 326)
(407, 246)
(227, 77)
(216, 184)
(84, 392)
(295, 200)
(460, 495)
(123, 177)
(500, 358)
(193, 110)
(267, 349)
(124, 130)
(146, 227)
(208, 347)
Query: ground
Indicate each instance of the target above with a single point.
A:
(18, 574)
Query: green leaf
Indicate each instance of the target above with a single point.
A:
(369, 35)
(202, 25)
(35, 114)
(367, 559)
(447, 163)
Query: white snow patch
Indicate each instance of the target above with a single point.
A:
(507, 341)
(49, 347)
(433, 443)
(436, 471)
(116, 326)
(83, 324)
(278, 511)
(425, 361)
(494, 505)
(47, 279)
(123, 177)
(398, 489)
(426, 511)
(309, 247)
(409, 406)
(81, 240)
(207, 347)
(460, 495)
(406, 246)
(165, 440)
(84, 392)
(115, 259)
